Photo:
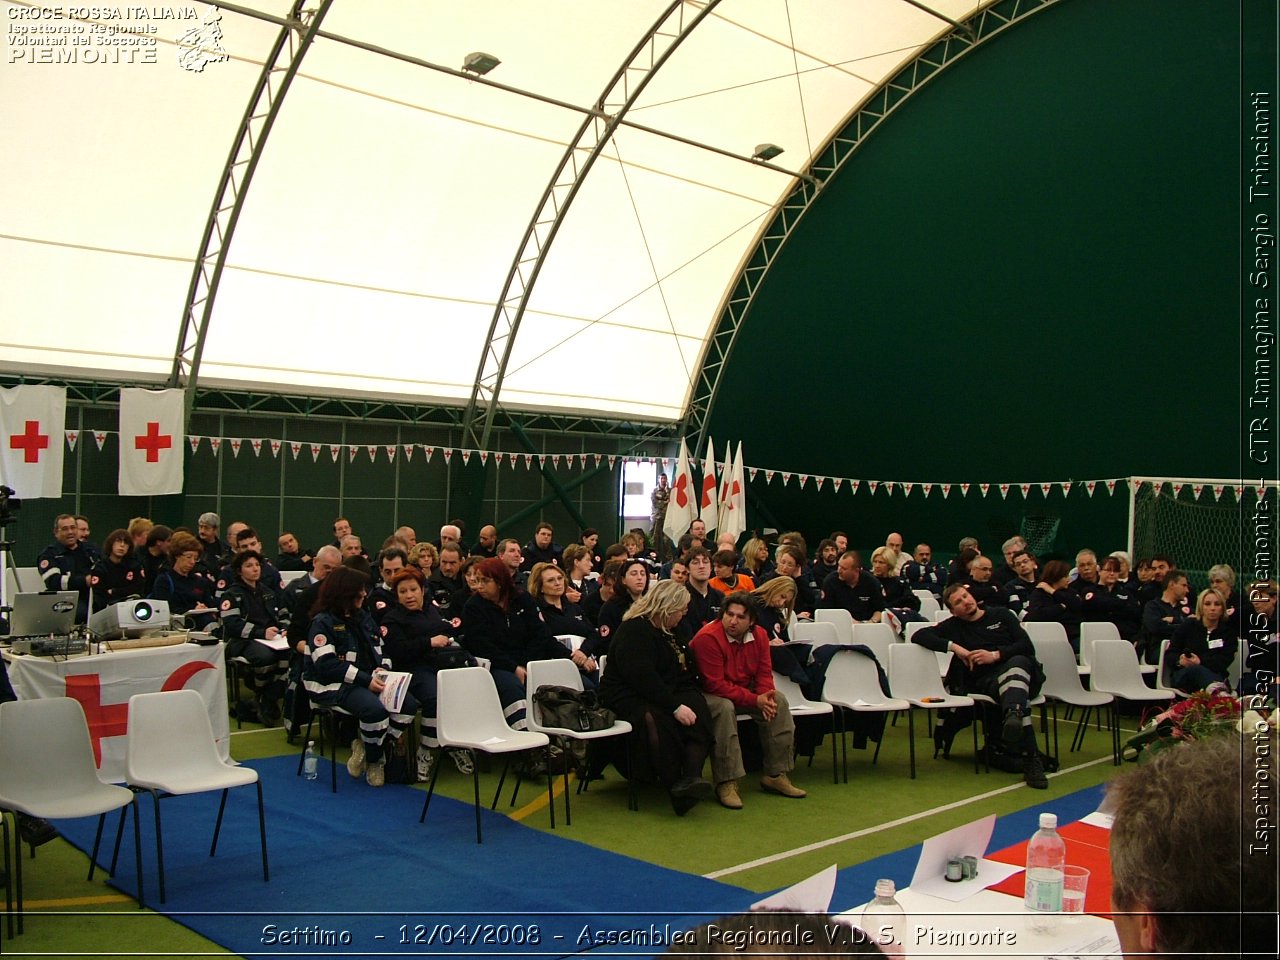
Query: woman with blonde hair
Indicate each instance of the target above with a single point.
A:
(755, 558)
(1203, 645)
(650, 683)
(774, 602)
(425, 557)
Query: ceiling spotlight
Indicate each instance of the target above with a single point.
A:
(766, 151)
(480, 63)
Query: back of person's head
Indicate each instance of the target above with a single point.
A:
(616, 551)
(1054, 571)
(611, 571)
(1186, 877)
(360, 565)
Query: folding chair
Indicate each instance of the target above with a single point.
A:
(852, 683)
(913, 677)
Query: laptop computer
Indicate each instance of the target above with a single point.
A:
(40, 614)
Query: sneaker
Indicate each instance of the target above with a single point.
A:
(463, 760)
(1011, 731)
(727, 794)
(782, 785)
(426, 761)
(34, 831)
(1033, 772)
(355, 762)
(375, 774)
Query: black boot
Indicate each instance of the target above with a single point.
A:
(1033, 771)
(34, 831)
(1011, 731)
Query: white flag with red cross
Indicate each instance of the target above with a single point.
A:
(682, 506)
(708, 501)
(32, 421)
(150, 442)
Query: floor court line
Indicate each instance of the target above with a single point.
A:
(845, 837)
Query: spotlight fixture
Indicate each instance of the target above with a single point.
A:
(480, 63)
(766, 151)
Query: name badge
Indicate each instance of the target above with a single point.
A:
(1216, 644)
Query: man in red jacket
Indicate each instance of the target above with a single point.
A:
(734, 665)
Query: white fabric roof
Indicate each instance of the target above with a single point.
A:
(391, 198)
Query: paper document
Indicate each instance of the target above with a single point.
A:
(1098, 819)
(969, 840)
(395, 686)
(1101, 946)
(281, 642)
(812, 895)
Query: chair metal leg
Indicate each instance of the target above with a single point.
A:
(217, 824)
(835, 777)
(911, 738)
(8, 876)
(262, 832)
(551, 793)
(844, 746)
(502, 778)
(567, 821)
(1115, 733)
(115, 853)
(974, 725)
(97, 839)
(137, 847)
(155, 803)
(475, 783)
(431, 787)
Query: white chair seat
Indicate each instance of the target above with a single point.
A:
(913, 676)
(1115, 671)
(853, 683)
(182, 782)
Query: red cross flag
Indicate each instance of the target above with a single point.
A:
(32, 421)
(682, 507)
(707, 502)
(150, 442)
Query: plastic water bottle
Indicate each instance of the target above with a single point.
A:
(309, 761)
(1046, 857)
(884, 921)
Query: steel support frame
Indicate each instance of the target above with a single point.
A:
(945, 50)
(287, 53)
(620, 93)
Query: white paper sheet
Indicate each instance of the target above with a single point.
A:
(811, 895)
(969, 840)
(281, 642)
(396, 685)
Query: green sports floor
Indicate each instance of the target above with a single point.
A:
(770, 843)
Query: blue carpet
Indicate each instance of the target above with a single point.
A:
(359, 861)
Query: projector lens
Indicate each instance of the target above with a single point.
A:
(142, 612)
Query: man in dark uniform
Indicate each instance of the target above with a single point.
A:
(487, 544)
(704, 599)
(291, 557)
(1011, 547)
(153, 554)
(1017, 592)
(922, 573)
(216, 553)
(445, 588)
(852, 588)
(383, 597)
(65, 564)
(542, 548)
(993, 656)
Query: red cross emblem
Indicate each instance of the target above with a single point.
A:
(682, 494)
(31, 441)
(153, 441)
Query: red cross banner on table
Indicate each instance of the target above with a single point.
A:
(150, 442)
(32, 421)
(103, 685)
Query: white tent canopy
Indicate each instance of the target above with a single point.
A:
(391, 198)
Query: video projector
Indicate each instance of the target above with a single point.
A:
(130, 618)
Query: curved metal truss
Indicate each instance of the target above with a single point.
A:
(622, 90)
(879, 104)
(278, 70)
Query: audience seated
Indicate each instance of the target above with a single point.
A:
(382, 597)
(1262, 639)
(727, 579)
(1017, 592)
(922, 573)
(631, 583)
(117, 575)
(852, 588)
(291, 557)
(1011, 548)
(565, 618)
(185, 585)
(1161, 616)
(425, 557)
(215, 552)
(755, 560)
(1122, 609)
(1054, 601)
(900, 604)
(704, 599)
(1203, 645)
(541, 549)
(251, 611)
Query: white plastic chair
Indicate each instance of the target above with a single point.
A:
(840, 618)
(944, 659)
(561, 672)
(802, 706)
(172, 752)
(1091, 632)
(929, 605)
(818, 633)
(852, 683)
(1062, 684)
(1164, 675)
(913, 676)
(469, 716)
(878, 636)
(49, 771)
(1115, 671)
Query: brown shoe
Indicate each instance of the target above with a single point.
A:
(727, 794)
(782, 785)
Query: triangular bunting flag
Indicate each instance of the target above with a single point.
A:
(428, 451)
(1111, 486)
(768, 476)
(1217, 491)
(408, 452)
(666, 462)
(315, 452)
(542, 460)
(447, 452)
(612, 461)
(275, 448)
(484, 457)
(818, 481)
(964, 490)
(295, 447)
(872, 485)
(352, 450)
(195, 443)
(1066, 487)
(906, 489)
(1090, 485)
(888, 487)
(1177, 489)
(1197, 489)
(1134, 487)
(837, 483)
(946, 490)
(1239, 493)
(786, 478)
(927, 488)
(334, 450)
(391, 452)
(1044, 489)
(853, 486)
(466, 457)
(99, 437)
(751, 474)
(215, 444)
(528, 461)
(235, 445)
(804, 477)
(74, 435)
(597, 459)
(256, 443)
(1026, 489)
(1004, 491)
(555, 460)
